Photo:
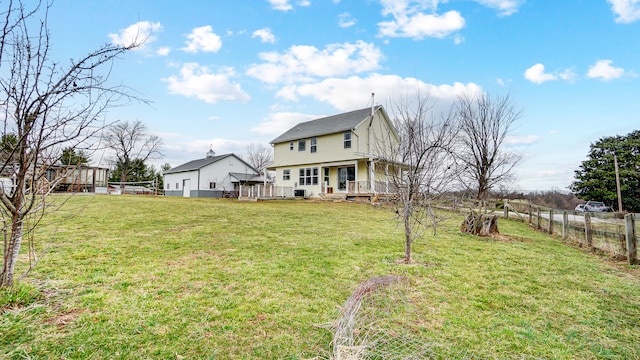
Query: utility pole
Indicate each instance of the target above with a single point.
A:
(615, 164)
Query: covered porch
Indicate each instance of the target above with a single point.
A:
(362, 180)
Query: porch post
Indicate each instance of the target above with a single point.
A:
(355, 180)
(372, 172)
(386, 178)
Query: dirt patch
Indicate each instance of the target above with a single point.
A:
(508, 238)
(66, 317)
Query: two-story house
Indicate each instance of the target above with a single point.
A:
(339, 154)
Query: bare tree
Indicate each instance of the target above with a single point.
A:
(421, 166)
(46, 106)
(132, 145)
(484, 124)
(259, 156)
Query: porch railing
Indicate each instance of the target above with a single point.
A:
(364, 187)
(265, 191)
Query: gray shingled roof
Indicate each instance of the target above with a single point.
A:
(247, 177)
(326, 125)
(196, 164)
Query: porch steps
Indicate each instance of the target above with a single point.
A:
(332, 196)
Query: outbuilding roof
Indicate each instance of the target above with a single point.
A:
(197, 164)
(242, 177)
(326, 125)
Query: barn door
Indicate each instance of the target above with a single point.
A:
(186, 188)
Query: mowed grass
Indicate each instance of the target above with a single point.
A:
(172, 278)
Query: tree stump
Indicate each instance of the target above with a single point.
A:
(480, 224)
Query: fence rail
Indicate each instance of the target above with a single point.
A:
(607, 232)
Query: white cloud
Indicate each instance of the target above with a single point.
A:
(521, 140)
(410, 20)
(282, 5)
(163, 51)
(626, 11)
(203, 39)
(199, 82)
(419, 25)
(603, 70)
(141, 32)
(504, 7)
(536, 74)
(345, 20)
(354, 92)
(568, 75)
(265, 35)
(278, 123)
(304, 63)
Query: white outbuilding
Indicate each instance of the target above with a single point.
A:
(214, 176)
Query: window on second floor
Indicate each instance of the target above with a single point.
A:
(314, 145)
(347, 139)
(286, 174)
(212, 185)
(302, 145)
(290, 145)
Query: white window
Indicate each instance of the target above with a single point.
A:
(212, 185)
(302, 145)
(291, 145)
(314, 145)
(347, 139)
(308, 176)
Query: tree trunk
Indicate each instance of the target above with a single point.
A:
(480, 224)
(11, 252)
(408, 238)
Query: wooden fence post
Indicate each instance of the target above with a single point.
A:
(506, 209)
(538, 223)
(565, 225)
(587, 230)
(632, 250)
(551, 221)
(530, 214)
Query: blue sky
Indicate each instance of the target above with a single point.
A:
(229, 73)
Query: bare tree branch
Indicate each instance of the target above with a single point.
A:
(420, 166)
(45, 106)
(484, 124)
(131, 144)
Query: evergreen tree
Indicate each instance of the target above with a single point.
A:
(71, 156)
(595, 179)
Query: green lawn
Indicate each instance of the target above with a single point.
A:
(172, 278)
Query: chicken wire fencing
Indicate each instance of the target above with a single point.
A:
(378, 321)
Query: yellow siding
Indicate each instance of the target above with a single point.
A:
(370, 139)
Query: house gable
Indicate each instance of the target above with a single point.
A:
(343, 137)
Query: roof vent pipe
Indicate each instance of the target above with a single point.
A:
(372, 103)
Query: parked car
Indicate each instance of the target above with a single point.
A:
(580, 207)
(595, 206)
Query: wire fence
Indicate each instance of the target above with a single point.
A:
(380, 321)
(611, 233)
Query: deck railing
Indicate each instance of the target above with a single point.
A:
(265, 191)
(364, 187)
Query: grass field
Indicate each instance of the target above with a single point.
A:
(172, 278)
